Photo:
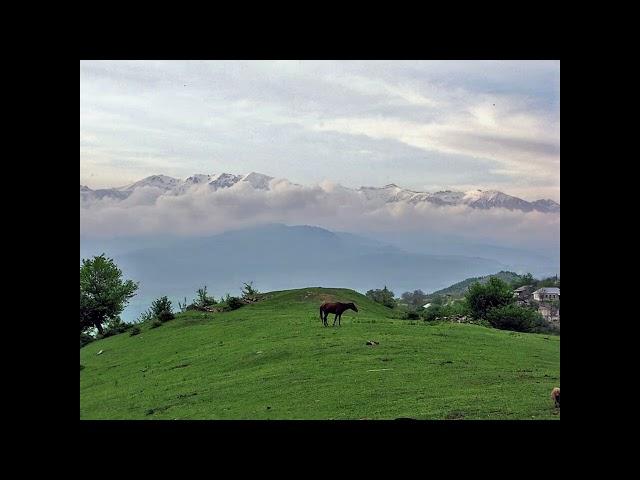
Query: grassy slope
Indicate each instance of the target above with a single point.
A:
(276, 354)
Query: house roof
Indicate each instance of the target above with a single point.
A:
(523, 288)
(548, 290)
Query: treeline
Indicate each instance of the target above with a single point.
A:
(515, 280)
(486, 301)
(104, 294)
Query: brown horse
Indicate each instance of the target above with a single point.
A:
(336, 308)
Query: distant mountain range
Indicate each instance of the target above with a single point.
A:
(481, 199)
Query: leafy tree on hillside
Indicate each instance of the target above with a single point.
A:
(549, 282)
(249, 292)
(162, 309)
(384, 296)
(203, 300)
(481, 298)
(437, 300)
(103, 292)
(415, 300)
(522, 280)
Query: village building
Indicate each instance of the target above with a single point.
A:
(550, 313)
(522, 293)
(547, 294)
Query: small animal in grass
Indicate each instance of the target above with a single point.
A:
(555, 396)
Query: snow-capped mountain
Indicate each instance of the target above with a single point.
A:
(442, 198)
(258, 180)
(392, 193)
(223, 180)
(388, 193)
(492, 199)
(157, 181)
(546, 205)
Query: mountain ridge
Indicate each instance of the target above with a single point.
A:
(390, 193)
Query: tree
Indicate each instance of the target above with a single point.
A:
(548, 282)
(522, 280)
(162, 309)
(203, 299)
(384, 296)
(483, 297)
(432, 313)
(515, 317)
(415, 300)
(103, 292)
(249, 292)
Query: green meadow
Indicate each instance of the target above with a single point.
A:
(274, 360)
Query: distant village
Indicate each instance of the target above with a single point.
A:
(447, 304)
(547, 300)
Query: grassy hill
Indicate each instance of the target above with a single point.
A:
(274, 360)
(460, 288)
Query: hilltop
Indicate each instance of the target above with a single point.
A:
(274, 360)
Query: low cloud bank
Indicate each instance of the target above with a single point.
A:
(200, 211)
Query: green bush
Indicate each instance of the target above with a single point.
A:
(411, 316)
(115, 326)
(481, 298)
(232, 303)
(166, 316)
(160, 306)
(432, 313)
(203, 300)
(134, 331)
(85, 339)
(456, 307)
(516, 318)
(156, 323)
(249, 292)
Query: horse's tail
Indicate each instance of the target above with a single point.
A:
(321, 319)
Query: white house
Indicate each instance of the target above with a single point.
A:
(547, 294)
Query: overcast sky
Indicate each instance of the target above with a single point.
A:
(427, 125)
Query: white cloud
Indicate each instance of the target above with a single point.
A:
(201, 211)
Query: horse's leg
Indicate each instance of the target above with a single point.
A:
(334, 319)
